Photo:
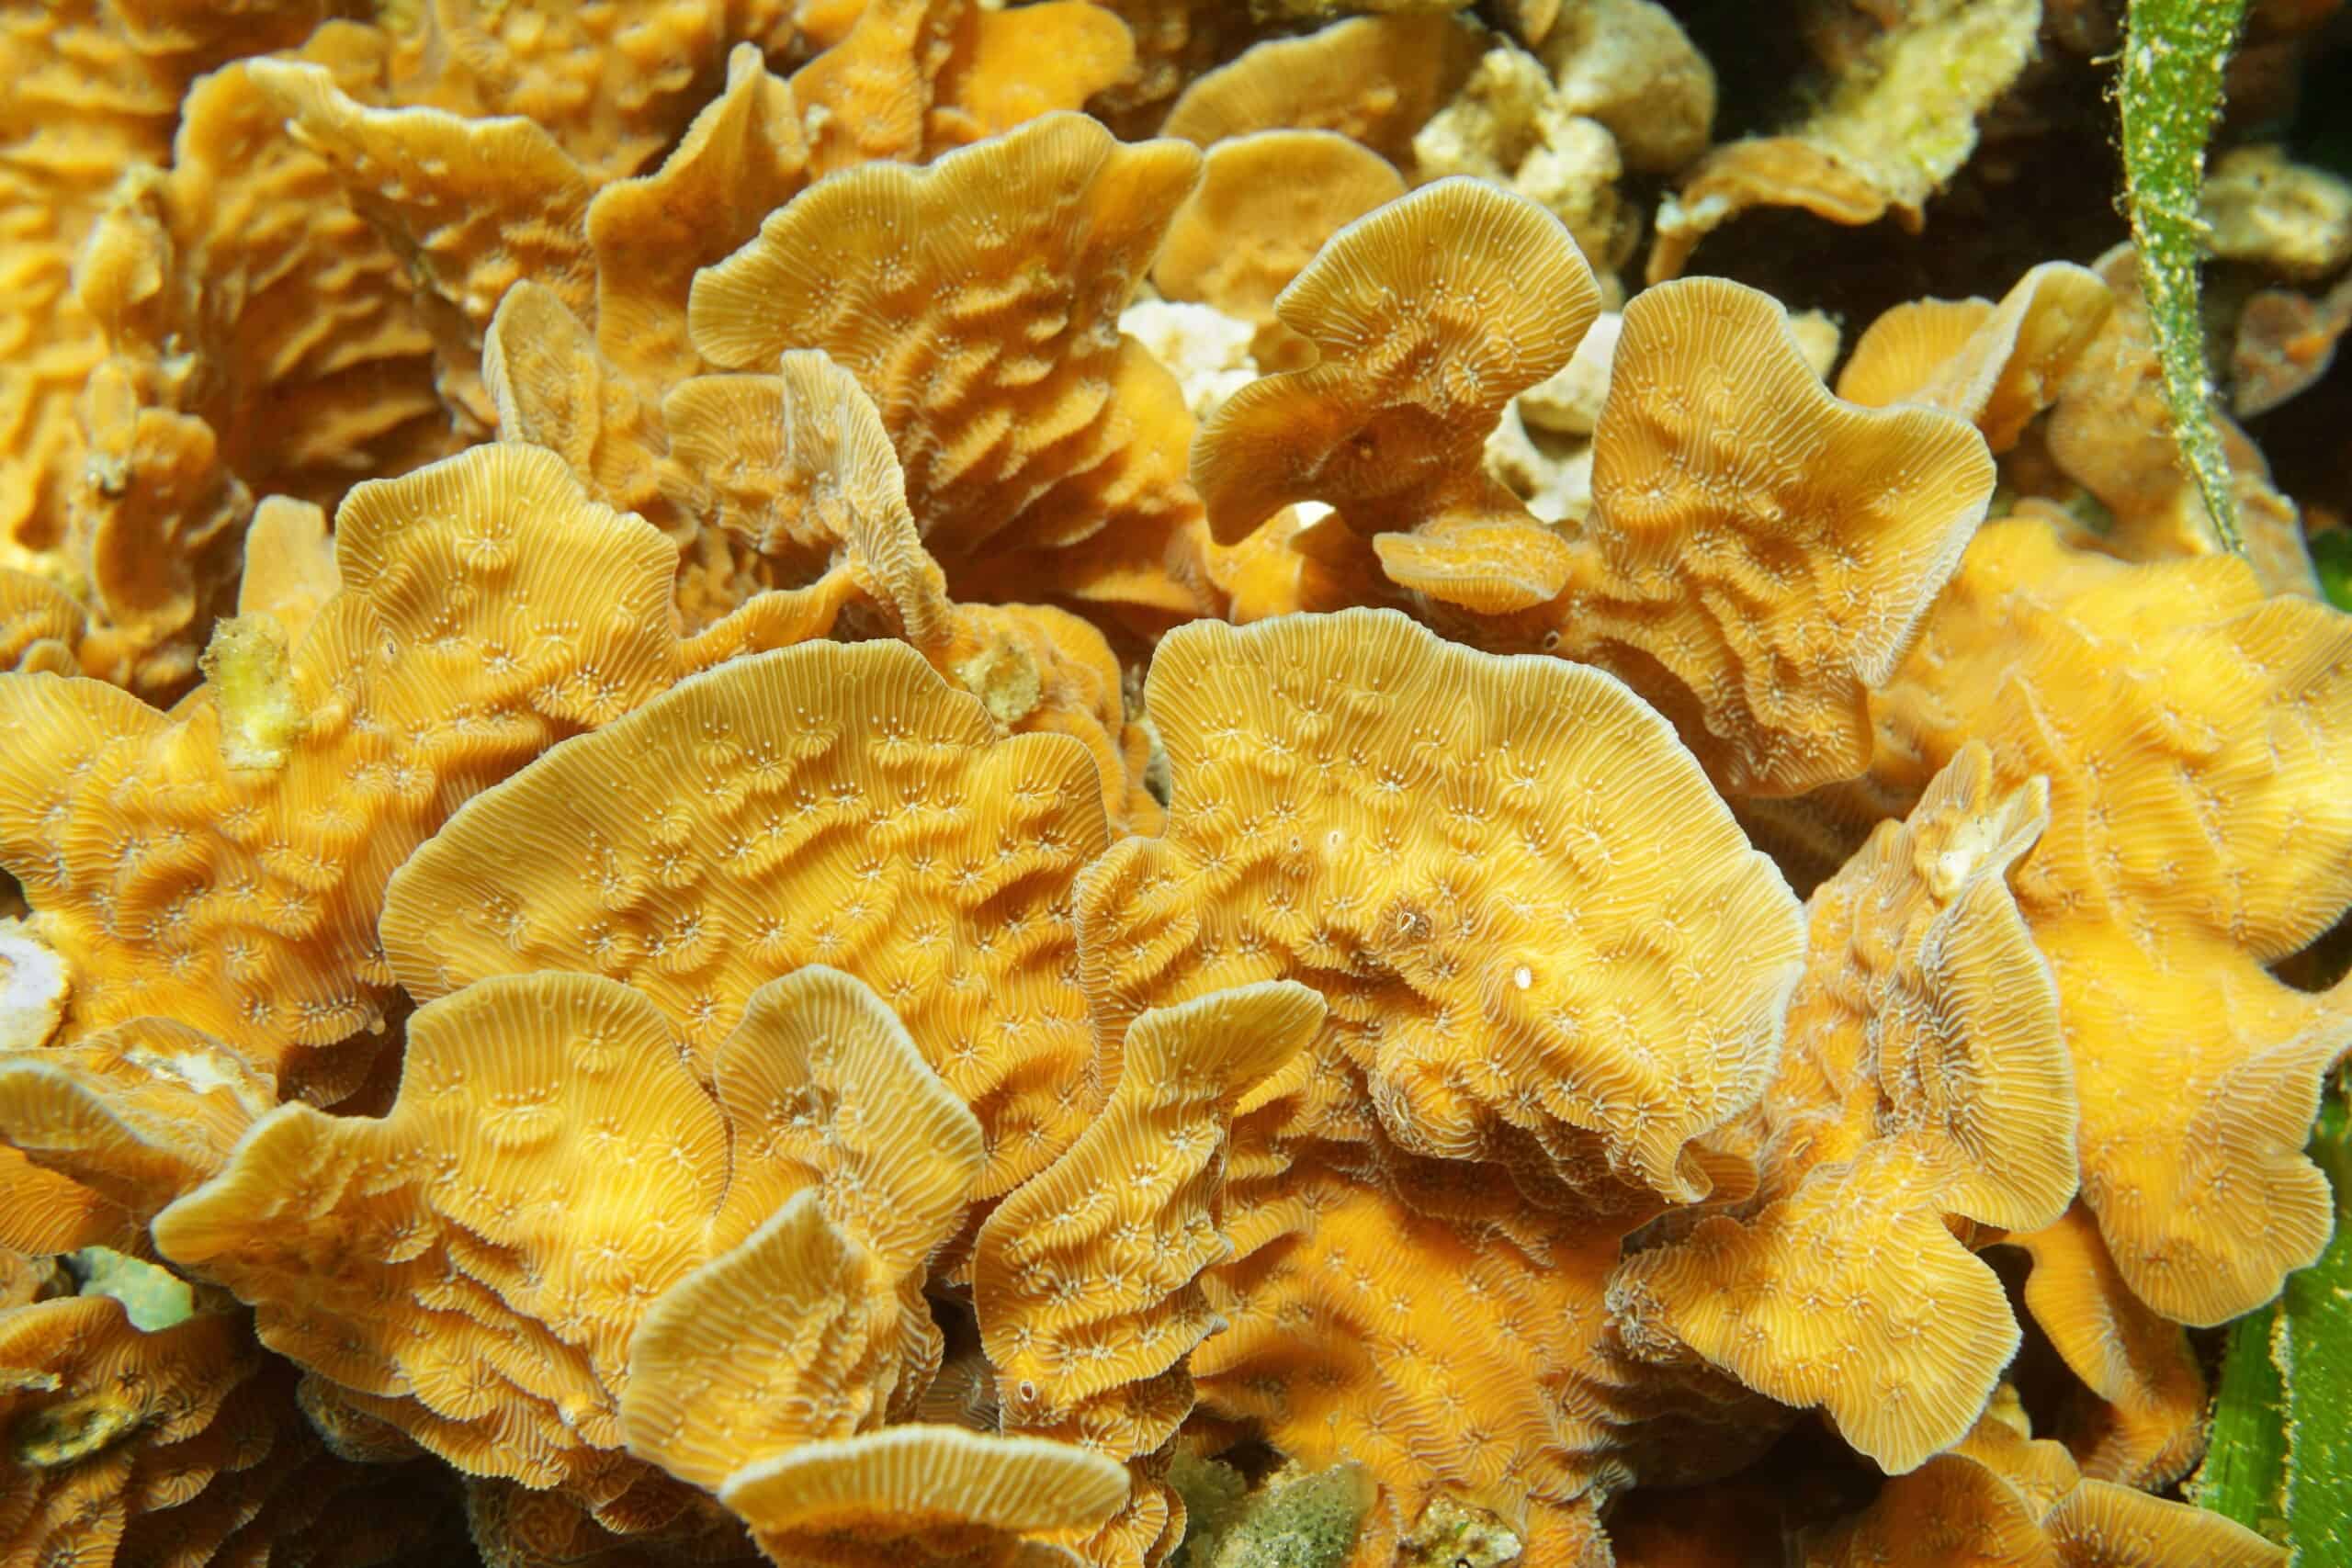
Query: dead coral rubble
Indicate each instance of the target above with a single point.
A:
(710, 875)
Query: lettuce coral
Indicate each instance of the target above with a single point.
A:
(709, 876)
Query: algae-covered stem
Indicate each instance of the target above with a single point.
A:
(2171, 87)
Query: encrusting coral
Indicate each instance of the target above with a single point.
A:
(182, 1443)
(1060, 453)
(848, 808)
(2180, 687)
(43, 627)
(925, 1494)
(114, 488)
(486, 609)
(1299, 751)
(2097, 436)
(1461, 1032)
(1923, 1077)
(1994, 366)
(611, 1329)
(260, 339)
(871, 782)
(2143, 1423)
(133, 1116)
(1676, 580)
(1086, 1282)
(1266, 203)
(1373, 79)
(1385, 425)
(2000, 1496)
(772, 478)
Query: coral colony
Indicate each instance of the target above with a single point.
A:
(917, 782)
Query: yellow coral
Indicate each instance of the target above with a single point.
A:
(866, 1026)
(841, 804)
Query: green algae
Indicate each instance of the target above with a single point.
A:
(2173, 51)
(1213, 1495)
(1295, 1521)
(152, 1297)
(2332, 560)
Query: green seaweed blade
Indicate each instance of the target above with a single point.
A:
(2317, 1317)
(2244, 1473)
(2332, 559)
(2171, 88)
